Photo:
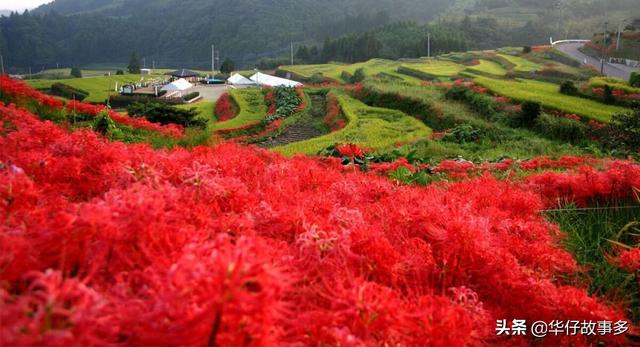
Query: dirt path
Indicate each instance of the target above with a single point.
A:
(306, 128)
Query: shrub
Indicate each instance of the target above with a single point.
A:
(346, 76)
(191, 96)
(358, 76)
(623, 133)
(123, 101)
(568, 88)
(166, 114)
(119, 72)
(526, 49)
(607, 95)
(530, 112)
(462, 134)
(634, 80)
(68, 92)
(76, 72)
(560, 128)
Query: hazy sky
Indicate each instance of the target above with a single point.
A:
(21, 4)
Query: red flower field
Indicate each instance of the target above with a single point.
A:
(105, 243)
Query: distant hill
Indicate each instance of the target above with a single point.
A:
(174, 32)
(181, 32)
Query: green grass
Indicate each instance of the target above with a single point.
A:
(252, 109)
(334, 70)
(99, 88)
(205, 109)
(589, 232)
(489, 67)
(439, 68)
(549, 96)
(616, 83)
(522, 65)
(369, 127)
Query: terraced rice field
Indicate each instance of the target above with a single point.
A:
(334, 71)
(438, 68)
(369, 127)
(548, 95)
(522, 65)
(490, 67)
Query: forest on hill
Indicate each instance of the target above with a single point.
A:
(171, 32)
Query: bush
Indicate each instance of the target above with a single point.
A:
(462, 134)
(634, 80)
(530, 112)
(123, 101)
(68, 92)
(191, 96)
(346, 76)
(166, 114)
(568, 88)
(526, 49)
(358, 76)
(623, 133)
(607, 96)
(76, 72)
(119, 72)
(560, 128)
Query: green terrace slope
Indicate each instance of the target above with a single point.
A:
(368, 127)
(252, 109)
(548, 95)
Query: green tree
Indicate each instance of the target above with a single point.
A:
(134, 64)
(76, 72)
(228, 66)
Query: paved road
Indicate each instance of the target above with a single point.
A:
(209, 92)
(614, 70)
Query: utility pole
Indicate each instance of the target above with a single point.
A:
(2, 63)
(144, 62)
(213, 59)
(604, 48)
(429, 45)
(153, 63)
(291, 53)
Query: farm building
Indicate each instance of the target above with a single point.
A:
(272, 81)
(190, 76)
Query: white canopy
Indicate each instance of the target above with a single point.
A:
(239, 80)
(267, 80)
(177, 86)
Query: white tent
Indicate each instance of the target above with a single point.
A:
(238, 80)
(177, 86)
(267, 80)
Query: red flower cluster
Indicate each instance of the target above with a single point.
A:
(629, 260)
(104, 243)
(333, 118)
(271, 128)
(19, 92)
(92, 110)
(225, 109)
(303, 99)
(350, 150)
